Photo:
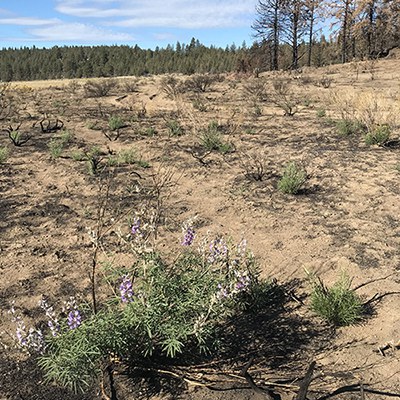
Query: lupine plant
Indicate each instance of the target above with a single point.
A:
(158, 307)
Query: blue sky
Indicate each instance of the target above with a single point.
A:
(147, 23)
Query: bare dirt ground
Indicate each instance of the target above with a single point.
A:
(346, 219)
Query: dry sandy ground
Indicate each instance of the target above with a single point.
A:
(346, 219)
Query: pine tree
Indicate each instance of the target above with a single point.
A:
(269, 26)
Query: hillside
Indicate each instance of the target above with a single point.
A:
(345, 217)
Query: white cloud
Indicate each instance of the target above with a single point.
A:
(189, 14)
(77, 32)
(28, 21)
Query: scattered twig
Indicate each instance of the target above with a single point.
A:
(356, 388)
(305, 383)
(245, 373)
(374, 280)
(381, 349)
(48, 126)
(362, 393)
(378, 297)
(112, 136)
(201, 158)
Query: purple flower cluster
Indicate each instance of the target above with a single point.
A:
(126, 289)
(74, 316)
(222, 292)
(74, 319)
(243, 280)
(135, 230)
(31, 340)
(188, 237)
(218, 250)
(239, 282)
(52, 321)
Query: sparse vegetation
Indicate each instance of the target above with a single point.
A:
(99, 88)
(202, 82)
(284, 97)
(17, 137)
(321, 113)
(212, 139)
(115, 122)
(171, 86)
(338, 304)
(293, 179)
(4, 153)
(380, 135)
(256, 166)
(256, 110)
(256, 90)
(325, 82)
(149, 131)
(200, 104)
(57, 144)
(94, 160)
(347, 127)
(130, 85)
(116, 233)
(174, 128)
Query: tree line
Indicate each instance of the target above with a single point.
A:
(288, 33)
(105, 61)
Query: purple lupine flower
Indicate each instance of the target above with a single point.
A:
(32, 340)
(240, 285)
(74, 319)
(218, 250)
(222, 292)
(35, 341)
(243, 280)
(188, 237)
(126, 289)
(52, 322)
(242, 248)
(21, 335)
(135, 230)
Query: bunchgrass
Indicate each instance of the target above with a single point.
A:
(130, 157)
(57, 144)
(4, 153)
(115, 122)
(293, 179)
(347, 127)
(174, 128)
(339, 304)
(93, 160)
(379, 136)
(212, 140)
(321, 113)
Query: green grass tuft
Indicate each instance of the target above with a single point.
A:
(293, 179)
(339, 304)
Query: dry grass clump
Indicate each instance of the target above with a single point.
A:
(99, 87)
(375, 110)
(368, 109)
(256, 90)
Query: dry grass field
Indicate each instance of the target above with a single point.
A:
(345, 218)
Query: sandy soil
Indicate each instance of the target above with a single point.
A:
(346, 218)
